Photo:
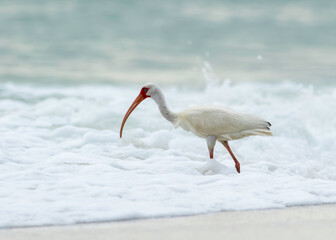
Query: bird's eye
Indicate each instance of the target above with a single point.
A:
(145, 89)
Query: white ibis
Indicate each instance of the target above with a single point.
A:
(209, 122)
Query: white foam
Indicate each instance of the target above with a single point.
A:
(61, 159)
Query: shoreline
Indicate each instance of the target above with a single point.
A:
(160, 217)
(298, 222)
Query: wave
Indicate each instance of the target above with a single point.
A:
(62, 160)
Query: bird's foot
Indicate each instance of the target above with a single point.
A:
(238, 166)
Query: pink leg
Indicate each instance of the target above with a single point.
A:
(226, 145)
(211, 153)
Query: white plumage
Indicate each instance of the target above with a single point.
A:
(209, 122)
(223, 123)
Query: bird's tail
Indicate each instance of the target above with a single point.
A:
(262, 132)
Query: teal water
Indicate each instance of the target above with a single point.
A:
(68, 41)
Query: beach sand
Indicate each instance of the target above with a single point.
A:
(308, 222)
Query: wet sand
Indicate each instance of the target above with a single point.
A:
(308, 222)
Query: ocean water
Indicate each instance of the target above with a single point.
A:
(69, 70)
(167, 41)
(62, 161)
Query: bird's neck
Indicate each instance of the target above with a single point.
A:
(165, 111)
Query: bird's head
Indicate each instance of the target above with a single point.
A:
(146, 91)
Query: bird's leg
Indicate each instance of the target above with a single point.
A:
(226, 145)
(211, 141)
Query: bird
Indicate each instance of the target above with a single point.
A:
(212, 123)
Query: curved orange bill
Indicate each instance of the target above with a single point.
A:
(136, 102)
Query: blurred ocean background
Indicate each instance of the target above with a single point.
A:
(76, 41)
(69, 70)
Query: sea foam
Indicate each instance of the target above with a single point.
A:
(62, 161)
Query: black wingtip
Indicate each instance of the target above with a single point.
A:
(269, 124)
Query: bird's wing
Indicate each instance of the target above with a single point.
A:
(215, 121)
